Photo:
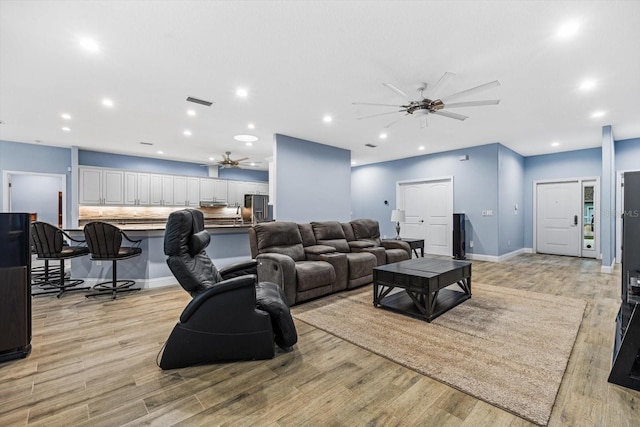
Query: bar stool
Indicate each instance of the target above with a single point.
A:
(105, 244)
(48, 243)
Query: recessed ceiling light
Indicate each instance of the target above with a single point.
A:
(191, 112)
(107, 102)
(588, 84)
(568, 29)
(327, 119)
(597, 114)
(160, 152)
(353, 162)
(242, 92)
(66, 116)
(248, 144)
(555, 144)
(245, 138)
(66, 129)
(252, 164)
(383, 136)
(89, 44)
(187, 132)
(251, 126)
(211, 158)
(421, 147)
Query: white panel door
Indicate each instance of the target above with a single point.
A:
(558, 218)
(411, 198)
(428, 210)
(439, 218)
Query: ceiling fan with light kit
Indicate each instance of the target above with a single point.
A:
(227, 162)
(429, 104)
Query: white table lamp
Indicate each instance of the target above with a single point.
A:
(397, 216)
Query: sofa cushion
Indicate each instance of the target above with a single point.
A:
(361, 244)
(396, 255)
(314, 274)
(280, 237)
(348, 232)
(366, 229)
(361, 264)
(330, 233)
(306, 232)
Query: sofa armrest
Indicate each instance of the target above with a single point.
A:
(340, 265)
(319, 250)
(281, 270)
(239, 269)
(360, 245)
(225, 287)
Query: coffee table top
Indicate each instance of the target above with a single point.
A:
(424, 267)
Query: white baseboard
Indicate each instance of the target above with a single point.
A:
(499, 258)
(607, 268)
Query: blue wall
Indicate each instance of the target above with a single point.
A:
(16, 156)
(36, 194)
(475, 188)
(237, 174)
(569, 164)
(140, 164)
(312, 181)
(510, 194)
(627, 154)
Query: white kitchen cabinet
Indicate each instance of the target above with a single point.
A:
(101, 186)
(136, 188)
(220, 190)
(263, 188)
(206, 189)
(232, 194)
(186, 191)
(160, 190)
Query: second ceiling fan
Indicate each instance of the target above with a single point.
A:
(429, 104)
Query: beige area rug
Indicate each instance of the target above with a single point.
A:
(507, 347)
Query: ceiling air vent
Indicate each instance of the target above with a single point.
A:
(199, 101)
(146, 143)
(370, 145)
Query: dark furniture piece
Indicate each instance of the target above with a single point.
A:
(368, 231)
(50, 245)
(415, 244)
(15, 287)
(424, 281)
(625, 370)
(458, 236)
(231, 316)
(105, 244)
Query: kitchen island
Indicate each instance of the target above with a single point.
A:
(229, 244)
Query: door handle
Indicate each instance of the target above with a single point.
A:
(575, 220)
(422, 220)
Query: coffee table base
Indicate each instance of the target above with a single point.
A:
(414, 305)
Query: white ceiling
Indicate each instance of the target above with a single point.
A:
(301, 60)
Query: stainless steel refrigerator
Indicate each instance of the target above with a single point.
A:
(259, 208)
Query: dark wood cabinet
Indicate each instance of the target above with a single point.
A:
(15, 286)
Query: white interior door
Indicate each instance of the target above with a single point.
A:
(558, 218)
(428, 207)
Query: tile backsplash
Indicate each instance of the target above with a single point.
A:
(145, 214)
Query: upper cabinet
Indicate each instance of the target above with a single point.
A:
(101, 186)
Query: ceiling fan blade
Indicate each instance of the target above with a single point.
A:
(398, 91)
(470, 91)
(434, 90)
(376, 115)
(472, 103)
(450, 115)
(423, 122)
(377, 105)
(240, 160)
(395, 121)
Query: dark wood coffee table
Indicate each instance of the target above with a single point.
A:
(426, 284)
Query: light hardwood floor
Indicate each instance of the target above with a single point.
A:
(94, 363)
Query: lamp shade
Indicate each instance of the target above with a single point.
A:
(397, 215)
